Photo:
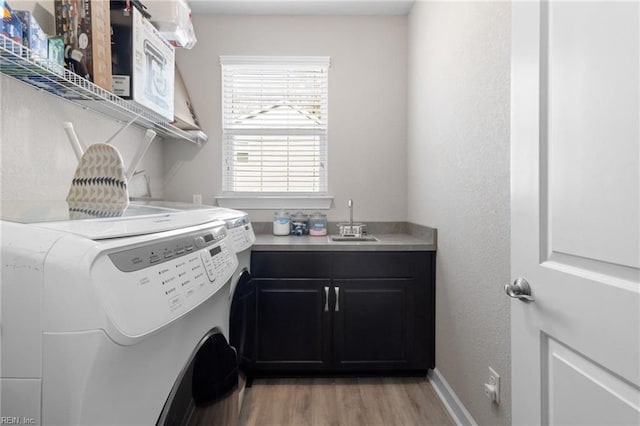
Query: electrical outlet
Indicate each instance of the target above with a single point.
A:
(197, 198)
(492, 389)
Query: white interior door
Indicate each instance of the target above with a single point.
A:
(576, 212)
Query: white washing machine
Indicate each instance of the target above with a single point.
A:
(115, 321)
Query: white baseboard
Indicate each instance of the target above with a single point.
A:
(450, 400)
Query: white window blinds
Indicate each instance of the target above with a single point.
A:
(274, 124)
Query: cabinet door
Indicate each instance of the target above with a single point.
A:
(293, 327)
(371, 323)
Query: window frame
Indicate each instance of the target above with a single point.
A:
(276, 199)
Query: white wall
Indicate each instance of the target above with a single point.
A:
(36, 158)
(458, 182)
(367, 105)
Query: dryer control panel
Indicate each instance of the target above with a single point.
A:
(147, 286)
(241, 233)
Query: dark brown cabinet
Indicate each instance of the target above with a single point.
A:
(343, 311)
(370, 324)
(292, 328)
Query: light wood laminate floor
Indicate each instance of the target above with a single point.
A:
(368, 401)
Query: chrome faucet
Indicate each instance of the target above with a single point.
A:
(350, 229)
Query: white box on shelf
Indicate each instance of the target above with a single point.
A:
(143, 63)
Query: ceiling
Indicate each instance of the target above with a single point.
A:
(301, 7)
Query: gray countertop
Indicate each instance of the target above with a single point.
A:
(387, 242)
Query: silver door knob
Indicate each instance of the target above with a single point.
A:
(520, 289)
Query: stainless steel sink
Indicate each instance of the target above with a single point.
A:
(346, 238)
(352, 231)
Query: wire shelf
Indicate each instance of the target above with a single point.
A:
(20, 63)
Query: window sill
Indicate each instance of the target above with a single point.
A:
(270, 202)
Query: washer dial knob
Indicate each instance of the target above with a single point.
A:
(200, 242)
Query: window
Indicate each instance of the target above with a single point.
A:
(274, 125)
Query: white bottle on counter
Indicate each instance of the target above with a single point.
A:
(281, 223)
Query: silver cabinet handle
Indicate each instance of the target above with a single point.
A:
(520, 289)
(337, 309)
(326, 299)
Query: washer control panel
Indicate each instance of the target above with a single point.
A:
(147, 286)
(241, 233)
(165, 251)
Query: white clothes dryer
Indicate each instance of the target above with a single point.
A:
(115, 321)
(242, 238)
